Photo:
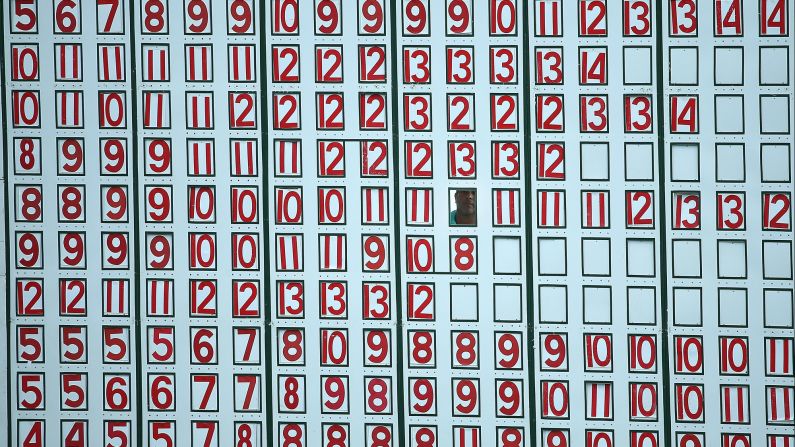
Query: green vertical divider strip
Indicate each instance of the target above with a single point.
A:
(139, 423)
(666, 378)
(6, 231)
(266, 246)
(528, 210)
(393, 12)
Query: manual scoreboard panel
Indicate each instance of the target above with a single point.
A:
(408, 223)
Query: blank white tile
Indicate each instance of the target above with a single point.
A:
(776, 162)
(728, 66)
(733, 307)
(507, 255)
(640, 257)
(774, 114)
(774, 64)
(686, 258)
(729, 114)
(641, 306)
(777, 259)
(683, 66)
(597, 305)
(507, 303)
(730, 163)
(595, 161)
(553, 304)
(687, 307)
(684, 162)
(464, 302)
(639, 159)
(731, 259)
(778, 308)
(595, 257)
(552, 256)
(637, 65)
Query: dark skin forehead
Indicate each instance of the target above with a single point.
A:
(464, 193)
(466, 203)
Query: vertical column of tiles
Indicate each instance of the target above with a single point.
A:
(729, 186)
(108, 154)
(426, 393)
(290, 69)
(770, 56)
(25, 124)
(594, 224)
(162, 179)
(200, 189)
(502, 317)
(332, 236)
(240, 311)
(68, 162)
(465, 314)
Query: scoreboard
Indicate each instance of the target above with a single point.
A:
(398, 223)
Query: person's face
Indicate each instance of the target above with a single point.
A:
(465, 201)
